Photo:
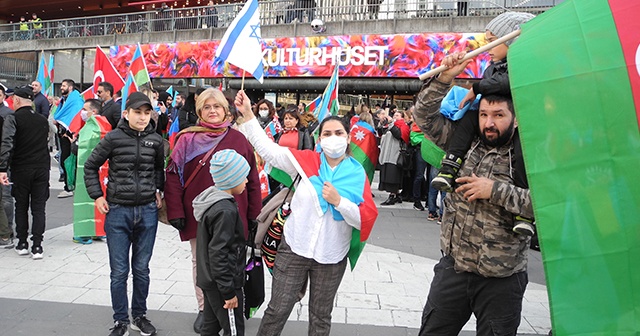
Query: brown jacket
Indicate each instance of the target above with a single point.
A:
(478, 234)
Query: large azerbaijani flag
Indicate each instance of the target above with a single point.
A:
(87, 220)
(575, 78)
(138, 67)
(364, 147)
(309, 164)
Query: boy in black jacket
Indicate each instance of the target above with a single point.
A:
(136, 178)
(221, 245)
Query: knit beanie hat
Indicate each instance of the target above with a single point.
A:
(228, 169)
(508, 22)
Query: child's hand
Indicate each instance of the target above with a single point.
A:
(230, 304)
(102, 205)
(158, 199)
(468, 98)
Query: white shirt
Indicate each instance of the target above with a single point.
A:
(309, 232)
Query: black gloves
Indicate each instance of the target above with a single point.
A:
(178, 223)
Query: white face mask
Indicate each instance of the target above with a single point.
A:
(334, 146)
(84, 114)
(263, 113)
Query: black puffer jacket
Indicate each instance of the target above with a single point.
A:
(136, 165)
(495, 80)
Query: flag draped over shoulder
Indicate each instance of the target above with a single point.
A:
(104, 71)
(364, 147)
(578, 118)
(87, 220)
(138, 67)
(130, 87)
(241, 44)
(71, 108)
(328, 105)
(352, 183)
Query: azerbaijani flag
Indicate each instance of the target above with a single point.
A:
(575, 79)
(174, 129)
(138, 67)
(129, 87)
(49, 88)
(364, 147)
(71, 108)
(88, 94)
(352, 183)
(329, 99)
(43, 74)
(87, 220)
(273, 127)
(313, 105)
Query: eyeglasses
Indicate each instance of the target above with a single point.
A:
(208, 108)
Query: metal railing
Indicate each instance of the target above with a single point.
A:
(272, 12)
(17, 69)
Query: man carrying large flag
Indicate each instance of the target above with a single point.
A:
(241, 44)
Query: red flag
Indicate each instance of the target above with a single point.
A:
(88, 94)
(104, 71)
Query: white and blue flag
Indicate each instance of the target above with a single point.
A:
(241, 44)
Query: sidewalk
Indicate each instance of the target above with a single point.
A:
(68, 292)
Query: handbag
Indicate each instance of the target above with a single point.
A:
(405, 158)
(162, 212)
(273, 236)
(254, 281)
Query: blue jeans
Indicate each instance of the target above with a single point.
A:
(433, 194)
(418, 177)
(128, 226)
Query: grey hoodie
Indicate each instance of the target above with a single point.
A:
(206, 199)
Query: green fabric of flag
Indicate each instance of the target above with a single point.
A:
(70, 170)
(431, 153)
(579, 129)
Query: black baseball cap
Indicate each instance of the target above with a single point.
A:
(25, 92)
(137, 100)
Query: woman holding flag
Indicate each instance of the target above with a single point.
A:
(185, 179)
(332, 214)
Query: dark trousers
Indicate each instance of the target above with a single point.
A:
(30, 190)
(418, 175)
(468, 128)
(65, 151)
(217, 318)
(496, 302)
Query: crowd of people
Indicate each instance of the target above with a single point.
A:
(487, 216)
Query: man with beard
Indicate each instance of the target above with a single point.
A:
(64, 137)
(484, 265)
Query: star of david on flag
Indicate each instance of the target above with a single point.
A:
(241, 44)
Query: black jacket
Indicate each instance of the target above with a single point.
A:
(220, 256)
(304, 139)
(42, 104)
(112, 111)
(25, 141)
(495, 80)
(136, 165)
(187, 117)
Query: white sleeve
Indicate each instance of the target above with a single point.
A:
(272, 153)
(350, 212)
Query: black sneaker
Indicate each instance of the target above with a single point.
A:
(143, 325)
(417, 205)
(446, 179)
(22, 248)
(119, 329)
(37, 253)
(197, 324)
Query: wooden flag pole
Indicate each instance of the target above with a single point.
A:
(473, 54)
(242, 85)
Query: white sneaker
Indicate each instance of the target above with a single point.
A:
(36, 253)
(65, 194)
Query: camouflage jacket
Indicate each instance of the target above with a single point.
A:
(478, 234)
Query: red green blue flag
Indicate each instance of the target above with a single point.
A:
(87, 220)
(575, 79)
(71, 108)
(328, 104)
(138, 67)
(364, 147)
(313, 105)
(130, 87)
(352, 183)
